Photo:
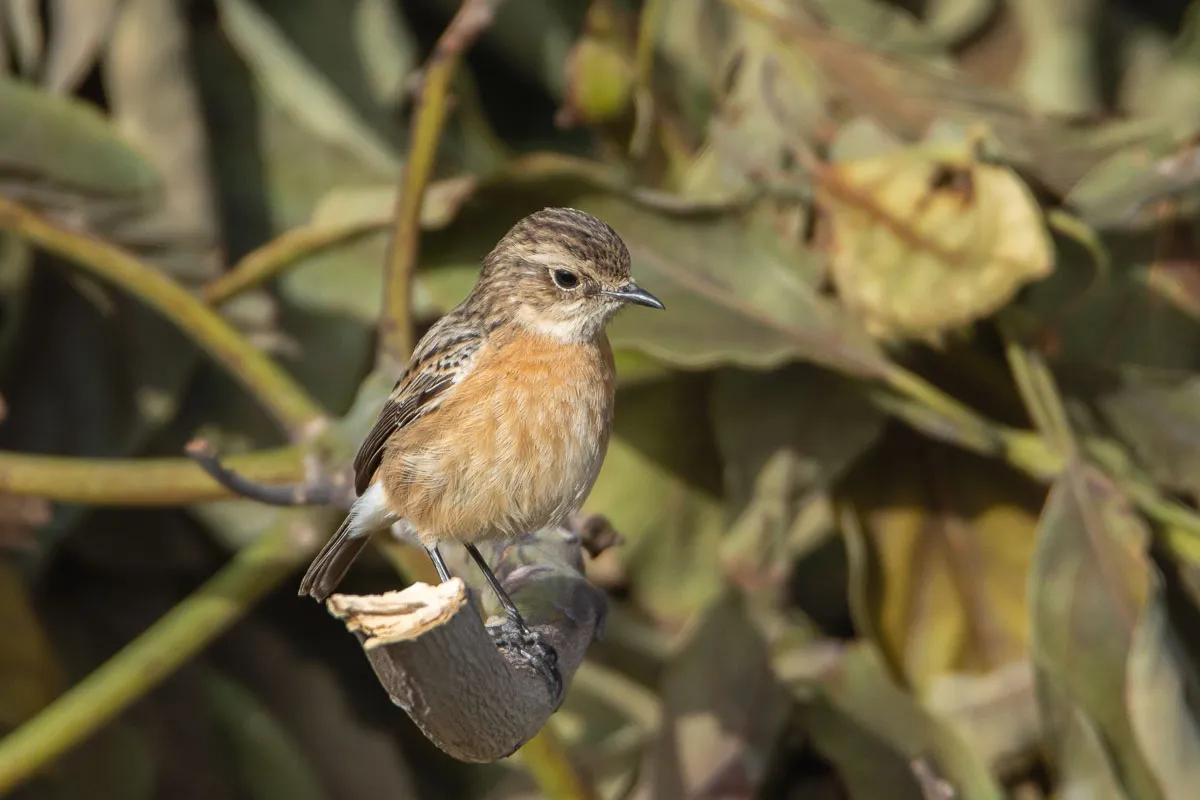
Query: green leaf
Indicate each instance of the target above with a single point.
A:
(1159, 419)
(1159, 686)
(730, 298)
(51, 146)
(872, 731)
(660, 487)
(1088, 586)
(779, 463)
(1079, 758)
(302, 89)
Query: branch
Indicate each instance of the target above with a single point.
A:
(264, 263)
(141, 481)
(429, 116)
(313, 491)
(437, 661)
(267, 381)
(158, 651)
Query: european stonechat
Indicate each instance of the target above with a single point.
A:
(500, 423)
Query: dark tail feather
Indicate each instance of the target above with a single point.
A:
(332, 563)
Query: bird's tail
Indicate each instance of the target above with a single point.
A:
(334, 560)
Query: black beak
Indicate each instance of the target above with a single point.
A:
(632, 293)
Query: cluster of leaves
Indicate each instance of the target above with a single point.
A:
(906, 474)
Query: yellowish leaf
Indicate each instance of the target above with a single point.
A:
(927, 240)
(940, 547)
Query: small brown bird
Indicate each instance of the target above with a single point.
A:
(500, 423)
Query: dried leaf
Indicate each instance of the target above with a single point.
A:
(907, 96)
(771, 100)
(996, 714)
(929, 240)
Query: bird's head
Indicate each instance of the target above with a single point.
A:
(562, 273)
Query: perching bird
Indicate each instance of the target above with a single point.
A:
(499, 425)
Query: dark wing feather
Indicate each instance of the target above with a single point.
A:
(442, 358)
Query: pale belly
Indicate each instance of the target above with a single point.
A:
(521, 458)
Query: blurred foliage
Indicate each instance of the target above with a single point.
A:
(907, 473)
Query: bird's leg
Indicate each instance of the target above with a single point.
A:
(439, 563)
(515, 634)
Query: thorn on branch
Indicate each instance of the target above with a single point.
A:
(318, 492)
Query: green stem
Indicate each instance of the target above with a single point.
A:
(283, 251)
(396, 339)
(151, 657)
(270, 384)
(139, 482)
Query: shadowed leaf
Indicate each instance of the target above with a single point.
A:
(305, 92)
(785, 438)
(723, 711)
(30, 676)
(660, 488)
(872, 731)
(266, 761)
(939, 546)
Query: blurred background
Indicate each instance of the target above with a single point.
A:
(906, 476)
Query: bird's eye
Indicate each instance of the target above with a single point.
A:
(565, 279)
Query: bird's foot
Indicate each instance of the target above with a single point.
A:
(514, 635)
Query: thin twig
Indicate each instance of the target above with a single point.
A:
(320, 491)
(279, 393)
(429, 115)
(157, 652)
(141, 481)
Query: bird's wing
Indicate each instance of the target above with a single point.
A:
(444, 355)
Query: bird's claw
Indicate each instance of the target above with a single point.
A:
(514, 635)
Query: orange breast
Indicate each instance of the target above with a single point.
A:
(515, 447)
